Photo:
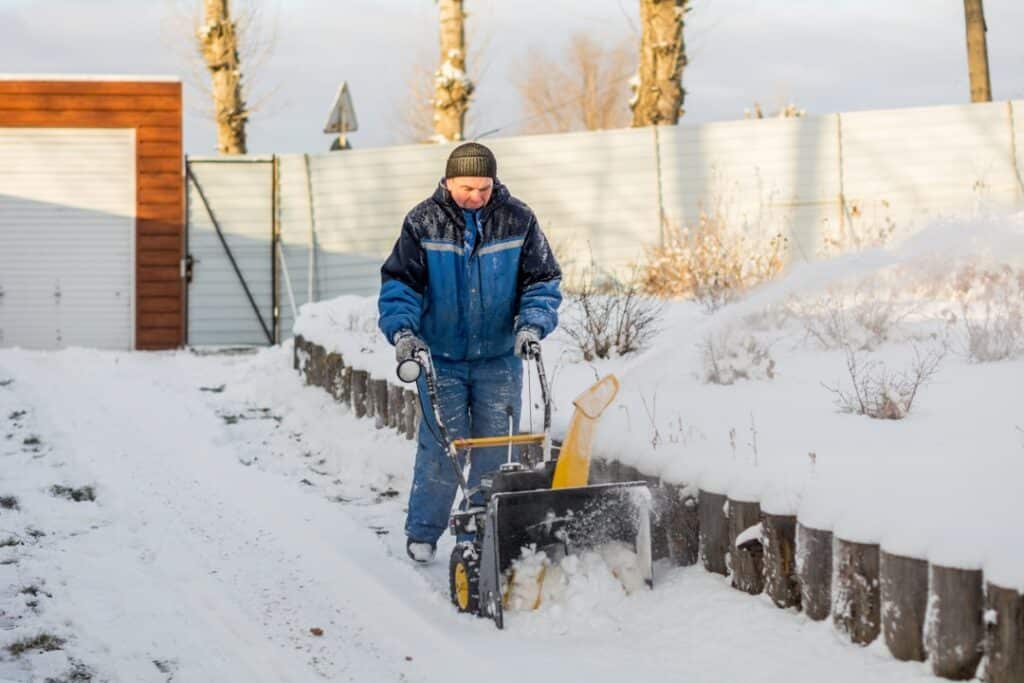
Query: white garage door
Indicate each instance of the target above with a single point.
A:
(67, 237)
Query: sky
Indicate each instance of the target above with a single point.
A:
(822, 55)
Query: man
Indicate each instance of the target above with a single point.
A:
(473, 279)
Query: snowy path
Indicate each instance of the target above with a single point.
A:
(222, 533)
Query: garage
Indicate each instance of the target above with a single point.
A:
(91, 212)
(67, 242)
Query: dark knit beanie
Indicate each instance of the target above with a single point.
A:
(473, 160)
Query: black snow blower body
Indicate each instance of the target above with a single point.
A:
(540, 503)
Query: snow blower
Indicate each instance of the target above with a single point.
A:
(546, 506)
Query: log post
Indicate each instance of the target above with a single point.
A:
(683, 525)
(747, 560)
(599, 471)
(1004, 637)
(332, 374)
(396, 406)
(379, 392)
(814, 571)
(954, 632)
(298, 346)
(412, 413)
(660, 518)
(714, 531)
(315, 368)
(345, 385)
(359, 392)
(904, 591)
(855, 608)
(780, 560)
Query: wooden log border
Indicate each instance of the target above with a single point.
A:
(964, 618)
(904, 592)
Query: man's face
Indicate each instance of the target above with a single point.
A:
(470, 192)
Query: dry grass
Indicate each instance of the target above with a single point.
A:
(991, 303)
(711, 262)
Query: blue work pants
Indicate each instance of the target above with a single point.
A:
(474, 399)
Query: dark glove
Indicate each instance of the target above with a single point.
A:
(407, 346)
(527, 342)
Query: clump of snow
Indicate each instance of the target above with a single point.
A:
(553, 584)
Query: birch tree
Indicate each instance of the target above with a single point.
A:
(452, 87)
(218, 44)
(658, 92)
(977, 51)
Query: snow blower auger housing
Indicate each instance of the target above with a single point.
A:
(547, 506)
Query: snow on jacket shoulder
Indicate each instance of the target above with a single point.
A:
(468, 306)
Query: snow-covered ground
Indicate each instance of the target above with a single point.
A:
(235, 525)
(236, 511)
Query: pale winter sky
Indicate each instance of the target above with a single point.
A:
(823, 55)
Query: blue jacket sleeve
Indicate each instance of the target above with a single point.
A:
(403, 280)
(540, 280)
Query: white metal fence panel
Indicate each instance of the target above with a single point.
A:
(240, 195)
(297, 259)
(765, 175)
(360, 198)
(1016, 112)
(595, 193)
(602, 196)
(905, 166)
(67, 237)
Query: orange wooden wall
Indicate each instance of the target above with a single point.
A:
(153, 109)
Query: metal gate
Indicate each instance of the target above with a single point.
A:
(231, 271)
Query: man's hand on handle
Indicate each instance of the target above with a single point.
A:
(527, 342)
(407, 349)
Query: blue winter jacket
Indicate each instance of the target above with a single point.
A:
(468, 306)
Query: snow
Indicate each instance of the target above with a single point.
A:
(238, 513)
(247, 527)
(940, 484)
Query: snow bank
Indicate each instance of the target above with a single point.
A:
(941, 484)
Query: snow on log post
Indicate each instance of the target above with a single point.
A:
(780, 560)
(396, 407)
(411, 413)
(904, 591)
(745, 548)
(333, 364)
(814, 571)
(452, 87)
(714, 531)
(953, 631)
(360, 379)
(379, 392)
(1004, 637)
(856, 603)
(345, 385)
(683, 525)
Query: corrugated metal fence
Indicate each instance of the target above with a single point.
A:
(602, 195)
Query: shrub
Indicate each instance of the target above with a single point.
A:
(991, 302)
(882, 393)
(711, 262)
(609, 318)
(727, 358)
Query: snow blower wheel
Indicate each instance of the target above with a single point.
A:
(464, 579)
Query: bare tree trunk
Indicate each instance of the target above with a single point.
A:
(218, 42)
(977, 51)
(452, 86)
(658, 90)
